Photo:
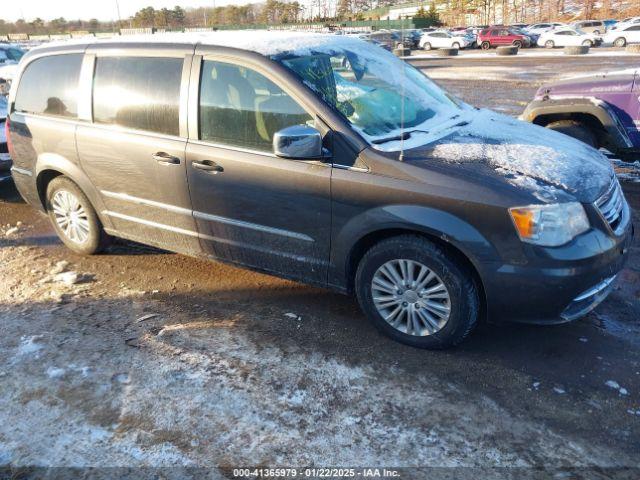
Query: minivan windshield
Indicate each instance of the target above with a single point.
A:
(380, 95)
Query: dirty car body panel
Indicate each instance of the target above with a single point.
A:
(309, 220)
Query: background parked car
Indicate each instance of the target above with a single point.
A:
(533, 37)
(411, 38)
(501, 36)
(625, 22)
(610, 23)
(443, 40)
(596, 27)
(540, 28)
(622, 36)
(383, 39)
(568, 37)
(568, 107)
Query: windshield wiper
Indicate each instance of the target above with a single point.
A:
(396, 138)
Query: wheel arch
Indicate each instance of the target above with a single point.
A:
(595, 114)
(50, 167)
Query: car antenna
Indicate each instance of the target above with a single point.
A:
(404, 79)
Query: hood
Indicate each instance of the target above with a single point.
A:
(550, 166)
(605, 83)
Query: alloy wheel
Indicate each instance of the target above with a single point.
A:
(411, 297)
(70, 216)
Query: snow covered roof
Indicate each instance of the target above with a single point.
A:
(265, 42)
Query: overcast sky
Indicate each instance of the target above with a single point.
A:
(86, 9)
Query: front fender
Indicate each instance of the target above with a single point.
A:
(602, 111)
(410, 218)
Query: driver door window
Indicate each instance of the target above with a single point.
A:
(240, 107)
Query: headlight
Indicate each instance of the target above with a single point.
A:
(550, 225)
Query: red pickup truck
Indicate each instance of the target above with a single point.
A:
(502, 36)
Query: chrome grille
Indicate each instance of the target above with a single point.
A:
(611, 204)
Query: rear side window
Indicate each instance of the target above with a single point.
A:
(49, 86)
(142, 93)
(242, 108)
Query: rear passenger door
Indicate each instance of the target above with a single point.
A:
(134, 149)
(252, 207)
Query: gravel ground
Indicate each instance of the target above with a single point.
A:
(139, 357)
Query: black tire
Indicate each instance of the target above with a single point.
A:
(463, 293)
(549, 44)
(587, 43)
(577, 130)
(427, 46)
(456, 45)
(518, 44)
(485, 46)
(620, 42)
(97, 239)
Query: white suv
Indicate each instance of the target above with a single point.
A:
(623, 35)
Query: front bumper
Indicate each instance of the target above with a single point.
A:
(560, 285)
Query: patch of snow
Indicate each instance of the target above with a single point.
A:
(122, 378)
(29, 345)
(265, 42)
(296, 398)
(559, 391)
(55, 373)
(612, 384)
(521, 149)
(59, 267)
(583, 339)
(11, 231)
(68, 278)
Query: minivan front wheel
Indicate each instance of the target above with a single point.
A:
(417, 294)
(73, 217)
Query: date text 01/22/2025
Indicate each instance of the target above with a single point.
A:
(314, 473)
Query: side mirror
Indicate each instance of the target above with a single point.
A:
(299, 142)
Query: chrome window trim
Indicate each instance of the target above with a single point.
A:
(351, 168)
(37, 116)
(205, 143)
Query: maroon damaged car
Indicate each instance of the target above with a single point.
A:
(602, 111)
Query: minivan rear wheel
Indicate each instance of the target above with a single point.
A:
(73, 217)
(417, 294)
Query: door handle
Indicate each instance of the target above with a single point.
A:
(208, 166)
(164, 158)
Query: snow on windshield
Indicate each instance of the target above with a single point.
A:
(379, 94)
